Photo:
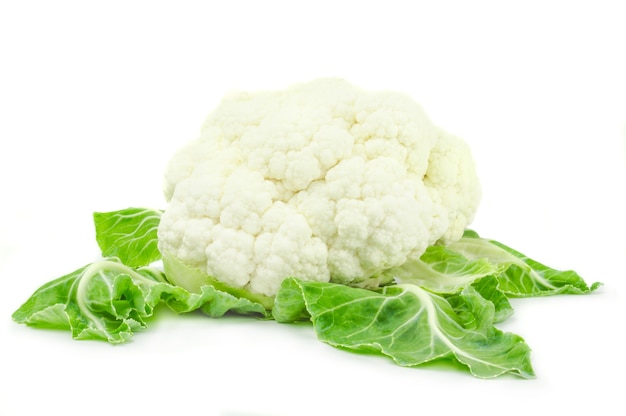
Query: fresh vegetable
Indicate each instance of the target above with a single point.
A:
(322, 203)
(322, 181)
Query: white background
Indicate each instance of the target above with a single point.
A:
(96, 96)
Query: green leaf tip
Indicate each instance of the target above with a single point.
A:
(129, 234)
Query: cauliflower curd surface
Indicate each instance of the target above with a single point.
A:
(322, 181)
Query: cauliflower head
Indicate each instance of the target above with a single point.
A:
(322, 181)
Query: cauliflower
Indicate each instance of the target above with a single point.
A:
(322, 181)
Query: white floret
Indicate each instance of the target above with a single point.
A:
(322, 181)
(452, 182)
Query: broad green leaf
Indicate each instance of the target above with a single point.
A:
(129, 234)
(107, 300)
(407, 323)
(442, 270)
(520, 275)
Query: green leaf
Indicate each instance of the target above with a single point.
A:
(407, 323)
(488, 288)
(442, 270)
(194, 280)
(107, 300)
(129, 234)
(521, 276)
